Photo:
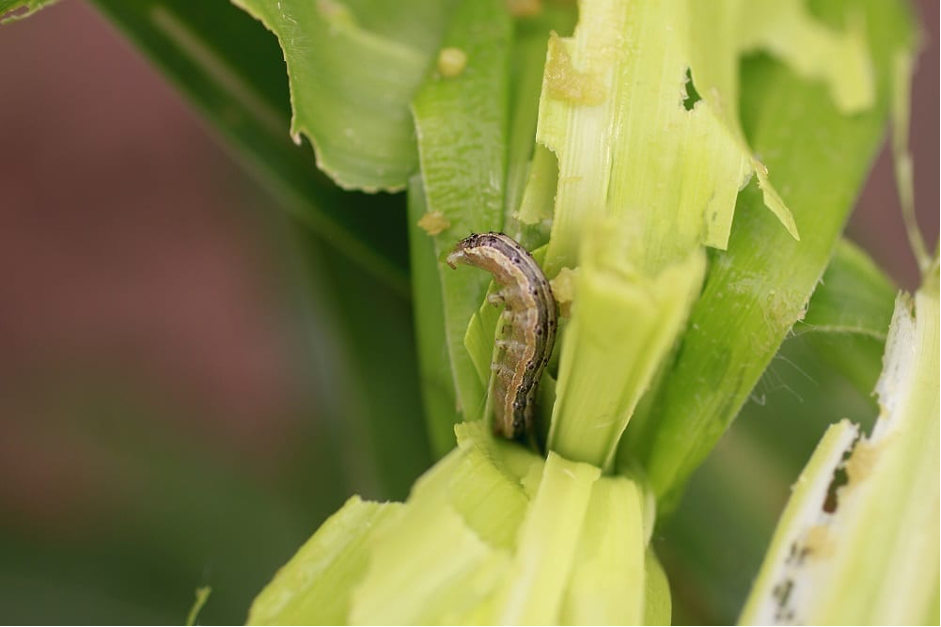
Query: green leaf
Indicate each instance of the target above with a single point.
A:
(233, 72)
(352, 72)
(528, 58)
(492, 533)
(461, 122)
(854, 297)
(806, 503)
(848, 316)
(606, 582)
(437, 383)
(11, 10)
(535, 584)
(662, 176)
(202, 595)
(756, 290)
(436, 564)
(658, 608)
(315, 586)
(380, 409)
(724, 31)
(622, 326)
(612, 112)
(870, 557)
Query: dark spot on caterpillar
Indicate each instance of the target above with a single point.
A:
(517, 376)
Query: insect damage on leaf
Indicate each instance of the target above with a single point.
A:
(563, 286)
(565, 82)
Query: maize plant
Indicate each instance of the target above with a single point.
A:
(608, 217)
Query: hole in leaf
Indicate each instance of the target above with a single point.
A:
(840, 479)
(692, 96)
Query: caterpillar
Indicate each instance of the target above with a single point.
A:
(529, 327)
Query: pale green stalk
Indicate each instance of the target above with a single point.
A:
(622, 325)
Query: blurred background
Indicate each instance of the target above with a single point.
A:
(167, 419)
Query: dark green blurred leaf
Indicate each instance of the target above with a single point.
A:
(848, 316)
(853, 297)
(378, 411)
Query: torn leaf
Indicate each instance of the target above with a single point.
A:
(353, 68)
(873, 558)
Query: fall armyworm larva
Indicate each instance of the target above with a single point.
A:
(529, 325)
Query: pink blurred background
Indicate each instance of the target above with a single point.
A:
(135, 257)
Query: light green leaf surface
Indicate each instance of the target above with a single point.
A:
(635, 159)
(756, 290)
(353, 68)
(613, 113)
(533, 590)
(449, 551)
(315, 585)
(658, 608)
(528, 59)
(871, 558)
(492, 533)
(607, 582)
(622, 326)
(479, 338)
(837, 57)
(421, 572)
(434, 364)
(808, 496)
(462, 136)
(724, 31)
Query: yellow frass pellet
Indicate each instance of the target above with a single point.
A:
(434, 222)
(451, 62)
